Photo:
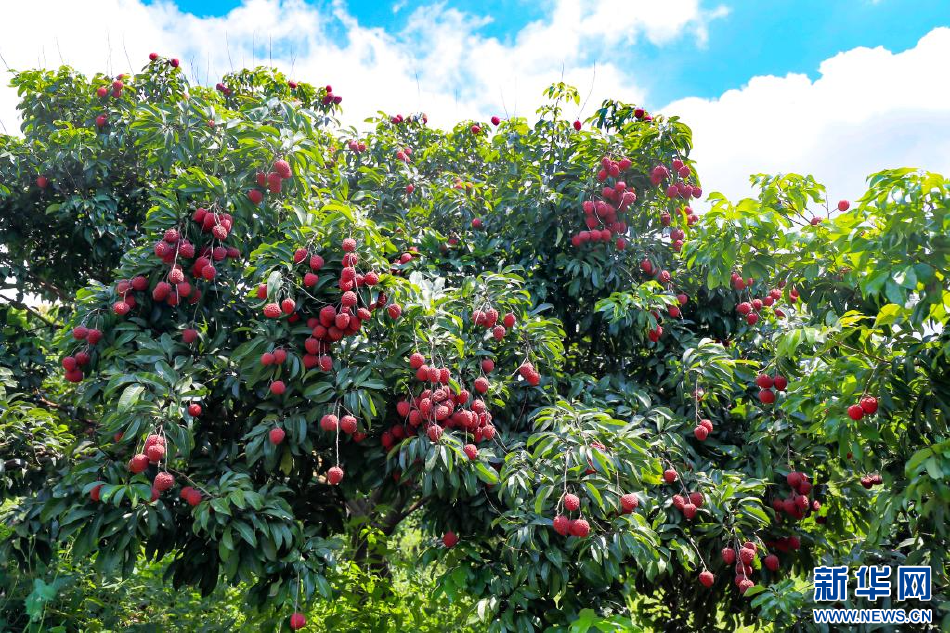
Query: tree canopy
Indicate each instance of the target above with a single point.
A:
(272, 333)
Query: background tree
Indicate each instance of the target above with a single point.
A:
(287, 338)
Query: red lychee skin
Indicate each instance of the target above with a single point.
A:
(580, 528)
(272, 310)
(766, 396)
(868, 403)
(707, 423)
(561, 525)
(335, 475)
(276, 435)
(348, 424)
(843, 205)
(189, 336)
(670, 475)
(255, 196)
(434, 432)
(153, 56)
(471, 451)
(329, 422)
(728, 555)
(745, 585)
(476, 129)
(192, 497)
(96, 493)
(278, 387)
(69, 363)
(316, 263)
(689, 511)
(287, 306)
(706, 579)
(450, 539)
(155, 453)
(771, 562)
(781, 383)
(746, 555)
(282, 168)
(481, 384)
(629, 502)
(298, 621)
(855, 412)
(349, 245)
(499, 332)
(696, 498)
(163, 481)
(138, 463)
(764, 381)
(42, 182)
(701, 433)
(477, 223)
(394, 311)
(152, 440)
(571, 502)
(194, 410)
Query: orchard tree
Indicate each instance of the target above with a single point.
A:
(595, 399)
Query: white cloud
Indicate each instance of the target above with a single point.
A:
(870, 109)
(439, 63)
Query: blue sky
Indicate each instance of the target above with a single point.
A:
(755, 37)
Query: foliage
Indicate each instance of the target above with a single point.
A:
(626, 331)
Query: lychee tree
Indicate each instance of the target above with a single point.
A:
(591, 396)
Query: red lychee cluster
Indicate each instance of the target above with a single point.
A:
(488, 319)
(154, 453)
(335, 321)
(438, 408)
(223, 89)
(752, 309)
(797, 504)
(604, 217)
(191, 495)
(329, 97)
(703, 429)
(866, 406)
(115, 88)
(80, 358)
(785, 544)
(399, 262)
(743, 566)
(530, 374)
(272, 181)
(403, 155)
(564, 525)
(679, 186)
(766, 383)
(869, 481)
(688, 505)
(348, 424)
(357, 147)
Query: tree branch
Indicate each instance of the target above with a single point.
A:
(22, 306)
(42, 283)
